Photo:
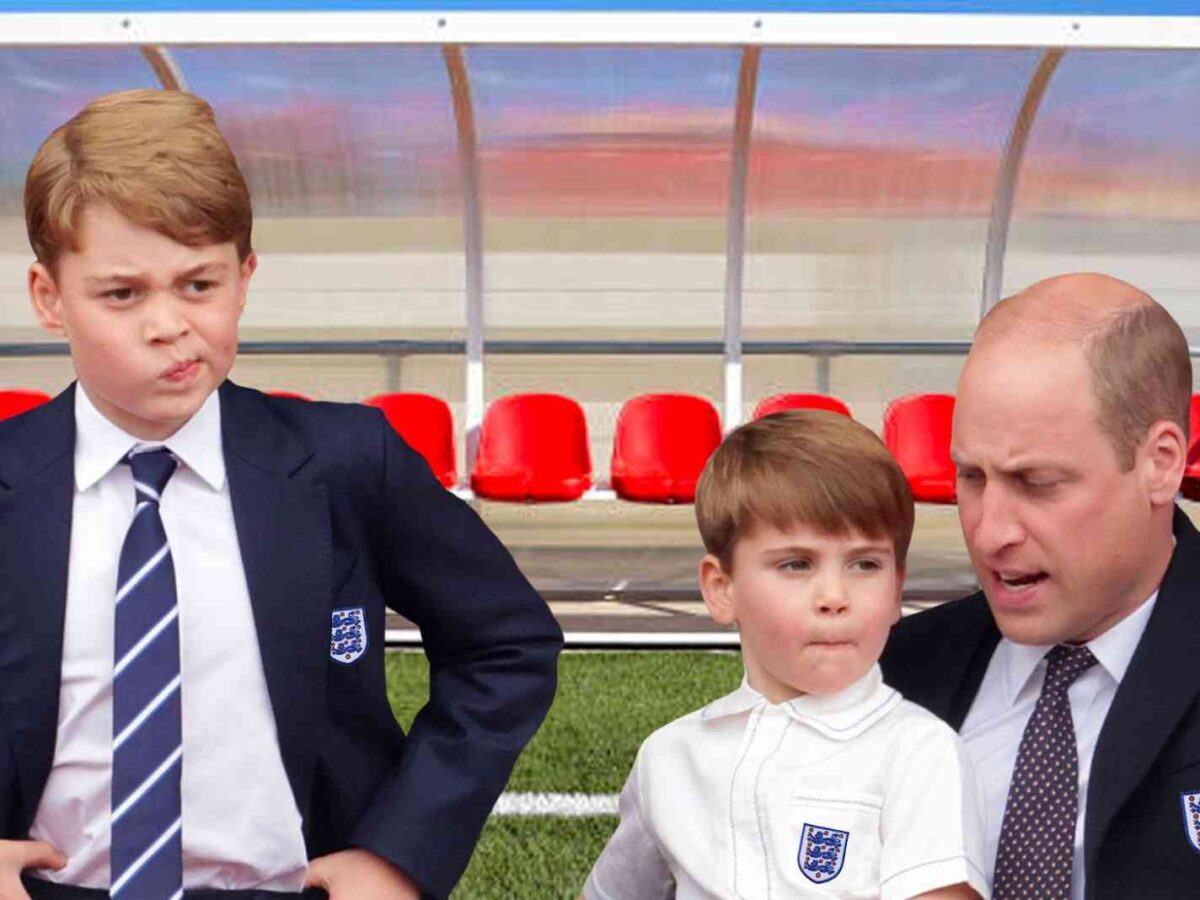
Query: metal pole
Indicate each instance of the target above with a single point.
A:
(165, 67)
(1006, 180)
(468, 157)
(735, 234)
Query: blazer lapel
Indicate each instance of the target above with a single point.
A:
(978, 638)
(937, 658)
(38, 475)
(284, 533)
(1153, 695)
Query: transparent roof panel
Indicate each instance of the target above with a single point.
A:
(871, 179)
(335, 131)
(352, 159)
(39, 90)
(611, 164)
(1111, 177)
(604, 130)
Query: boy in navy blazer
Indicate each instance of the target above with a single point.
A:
(195, 575)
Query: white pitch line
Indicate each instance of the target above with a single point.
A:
(517, 804)
(410, 637)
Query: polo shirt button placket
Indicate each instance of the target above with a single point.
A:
(748, 804)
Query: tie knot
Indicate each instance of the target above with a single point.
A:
(1065, 663)
(152, 469)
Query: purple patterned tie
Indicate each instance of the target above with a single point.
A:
(1037, 839)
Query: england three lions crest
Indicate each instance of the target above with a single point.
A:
(822, 852)
(348, 638)
(1191, 817)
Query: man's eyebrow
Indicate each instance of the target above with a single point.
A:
(1034, 465)
(1017, 466)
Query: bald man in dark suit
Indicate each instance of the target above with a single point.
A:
(1071, 675)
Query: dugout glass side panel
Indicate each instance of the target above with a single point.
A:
(352, 160)
(40, 89)
(871, 179)
(1111, 181)
(604, 176)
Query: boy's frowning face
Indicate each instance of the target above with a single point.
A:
(153, 324)
(813, 609)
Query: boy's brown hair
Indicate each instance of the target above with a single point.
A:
(803, 467)
(156, 157)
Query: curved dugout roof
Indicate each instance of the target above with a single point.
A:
(869, 149)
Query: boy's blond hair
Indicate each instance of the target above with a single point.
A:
(156, 157)
(803, 467)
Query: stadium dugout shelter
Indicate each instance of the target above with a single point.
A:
(584, 205)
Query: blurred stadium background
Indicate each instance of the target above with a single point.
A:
(600, 210)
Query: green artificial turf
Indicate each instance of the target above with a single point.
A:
(606, 705)
(520, 857)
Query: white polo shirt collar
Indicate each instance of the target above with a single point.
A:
(840, 716)
(100, 444)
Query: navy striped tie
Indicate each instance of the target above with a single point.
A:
(147, 847)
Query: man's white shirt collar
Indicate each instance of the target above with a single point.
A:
(100, 445)
(1113, 651)
(841, 715)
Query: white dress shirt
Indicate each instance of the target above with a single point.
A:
(1006, 698)
(718, 801)
(241, 826)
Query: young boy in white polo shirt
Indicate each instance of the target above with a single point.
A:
(813, 778)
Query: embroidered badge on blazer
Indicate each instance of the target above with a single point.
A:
(822, 852)
(348, 639)
(1191, 817)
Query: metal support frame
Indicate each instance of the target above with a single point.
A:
(824, 373)
(388, 349)
(732, 23)
(1007, 177)
(468, 158)
(735, 234)
(165, 67)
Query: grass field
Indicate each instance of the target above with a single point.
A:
(607, 703)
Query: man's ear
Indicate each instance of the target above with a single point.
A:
(46, 300)
(1161, 459)
(717, 589)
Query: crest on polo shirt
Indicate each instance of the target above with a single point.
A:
(822, 852)
(348, 638)
(1191, 817)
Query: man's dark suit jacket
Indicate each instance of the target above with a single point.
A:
(1148, 755)
(332, 510)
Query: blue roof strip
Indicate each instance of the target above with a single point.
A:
(1009, 7)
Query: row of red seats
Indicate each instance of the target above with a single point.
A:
(534, 447)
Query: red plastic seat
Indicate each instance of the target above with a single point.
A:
(1191, 471)
(533, 447)
(661, 445)
(426, 425)
(917, 431)
(293, 395)
(780, 402)
(17, 401)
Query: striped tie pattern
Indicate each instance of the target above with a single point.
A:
(147, 847)
(1037, 835)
